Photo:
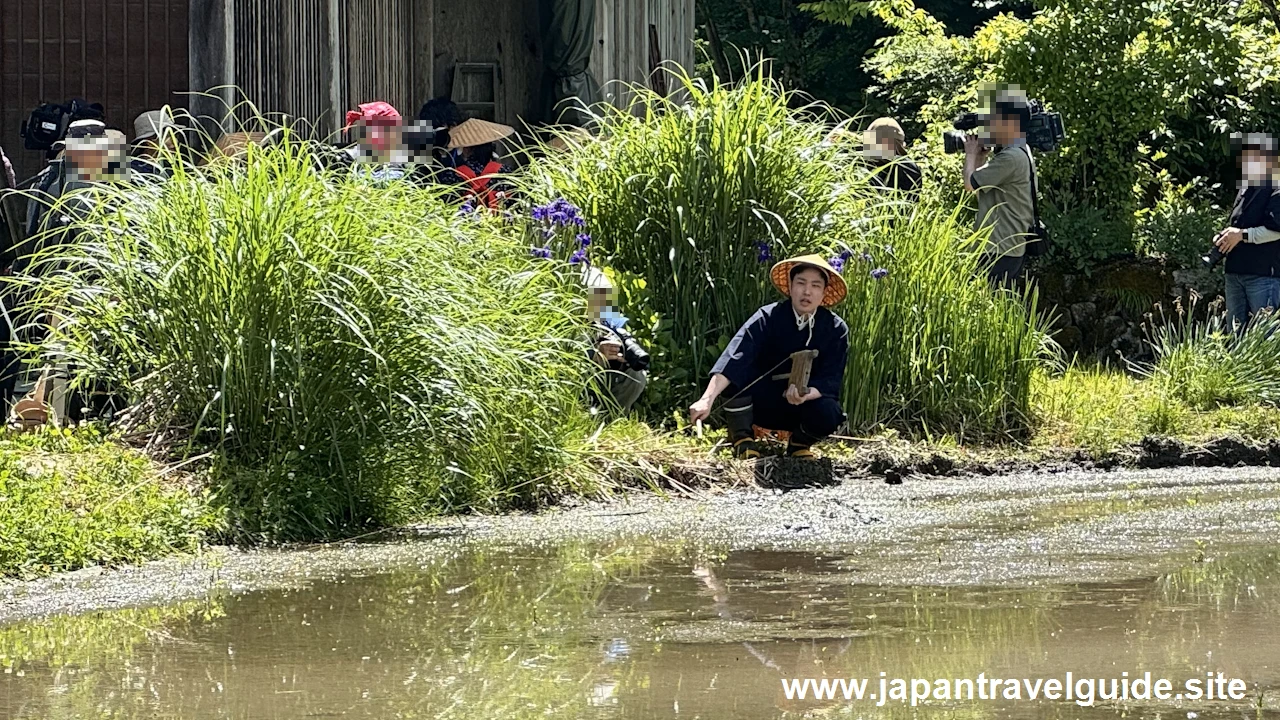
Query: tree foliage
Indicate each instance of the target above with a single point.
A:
(1145, 88)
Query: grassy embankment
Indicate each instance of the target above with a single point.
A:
(348, 355)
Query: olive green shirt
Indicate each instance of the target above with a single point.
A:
(1004, 200)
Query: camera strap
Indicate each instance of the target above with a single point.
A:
(1035, 192)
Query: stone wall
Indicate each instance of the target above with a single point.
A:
(1100, 315)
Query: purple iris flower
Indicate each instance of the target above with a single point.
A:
(866, 257)
(541, 252)
(584, 239)
(765, 254)
(837, 263)
(879, 273)
(467, 208)
(541, 213)
(845, 255)
(579, 256)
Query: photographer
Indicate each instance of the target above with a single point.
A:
(624, 361)
(1250, 241)
(884, 145)
(1003, 186)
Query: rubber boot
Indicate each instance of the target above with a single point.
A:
(800, 445)
(738, 417)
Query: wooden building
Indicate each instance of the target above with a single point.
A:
(314, 58)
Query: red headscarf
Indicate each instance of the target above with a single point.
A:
(374, 114)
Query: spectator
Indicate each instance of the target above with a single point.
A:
(443, 115)
(379, 132)
(479, 171)
(885, 146)
(624, 361)
(1003, 186)
(83, 158)
(1250, 240)
(154, 133)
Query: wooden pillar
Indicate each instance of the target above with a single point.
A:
(211, 62)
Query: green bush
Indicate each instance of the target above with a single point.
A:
(1143, 87)
(356, 355)
(690, 205)
(1180, 224)
(72, 500)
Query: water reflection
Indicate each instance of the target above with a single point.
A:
(640, 631)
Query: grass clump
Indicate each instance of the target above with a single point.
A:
(1207, 364)
(692, 202)
(70, 500)
(352, 355)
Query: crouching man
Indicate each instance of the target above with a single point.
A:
(756, 366)
(624, 361)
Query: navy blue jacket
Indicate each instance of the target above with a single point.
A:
(1256, 206)
(765, 342)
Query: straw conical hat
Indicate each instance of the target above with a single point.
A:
(475, 132)
(836, 289)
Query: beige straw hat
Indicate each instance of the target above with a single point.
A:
(836, 289)
(884, 127)
(475, 132)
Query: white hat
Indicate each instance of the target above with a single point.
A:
(595, 279)
(153, 123)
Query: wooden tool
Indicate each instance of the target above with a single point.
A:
(801, 366)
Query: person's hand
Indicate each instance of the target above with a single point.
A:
(1228, 239)
(794, 397)
(973, 145)
(699, 410)
(611, 351)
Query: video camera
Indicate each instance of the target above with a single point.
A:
(1045, 130)
(47, 125)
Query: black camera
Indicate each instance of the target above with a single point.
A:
(47, 125)
(1212, 258)
(1045, 130)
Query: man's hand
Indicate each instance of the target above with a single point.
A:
(973, 146)
(1228, 239)
(794, 397)
(699, 410)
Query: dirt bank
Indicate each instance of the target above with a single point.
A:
(1022, 528)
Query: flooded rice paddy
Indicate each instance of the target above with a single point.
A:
(691, 609)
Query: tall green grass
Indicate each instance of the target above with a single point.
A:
(692, 201)
(930, 344)
(354, 355)
(1206, 363)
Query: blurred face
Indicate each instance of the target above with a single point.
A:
(598, 300)
(1004, 129)
(87, 158)
(1256, 167)
(807, 289)
(381, 141)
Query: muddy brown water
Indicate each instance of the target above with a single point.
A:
(644, 611)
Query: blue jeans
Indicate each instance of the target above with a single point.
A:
(1247, 294)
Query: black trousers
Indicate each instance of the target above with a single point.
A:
(1007, 271)
(807, 422)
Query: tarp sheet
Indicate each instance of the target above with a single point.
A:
(571, 34)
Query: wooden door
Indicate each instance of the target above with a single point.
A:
(129, 55)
